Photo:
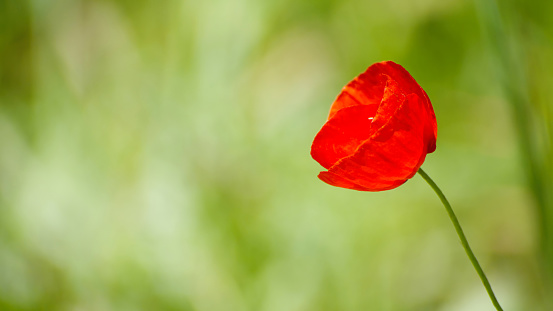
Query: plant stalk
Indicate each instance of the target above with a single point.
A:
(463, 238)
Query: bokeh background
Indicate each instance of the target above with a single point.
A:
(154, 155)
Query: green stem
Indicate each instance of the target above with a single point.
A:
(463, 239)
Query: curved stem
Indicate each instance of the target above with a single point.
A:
(463, 239)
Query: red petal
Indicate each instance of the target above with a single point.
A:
(337, 181)
(391, 100)
(368, 89)
(365, 89)
(343, 134)
(409, 85)
(401, 76)
(393, 153)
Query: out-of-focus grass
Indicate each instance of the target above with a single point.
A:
(155, 155)
(514, 55)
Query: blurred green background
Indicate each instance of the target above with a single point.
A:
(154, 155)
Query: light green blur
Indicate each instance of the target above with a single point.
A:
(154, 155)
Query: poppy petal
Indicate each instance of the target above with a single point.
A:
(392, 154)
(401, 76)
(343, 134)
(338, 181)
(365, 89)
(368, 87)
(392, 98)
(409, 85)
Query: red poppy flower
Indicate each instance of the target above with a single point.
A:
(378, 131)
